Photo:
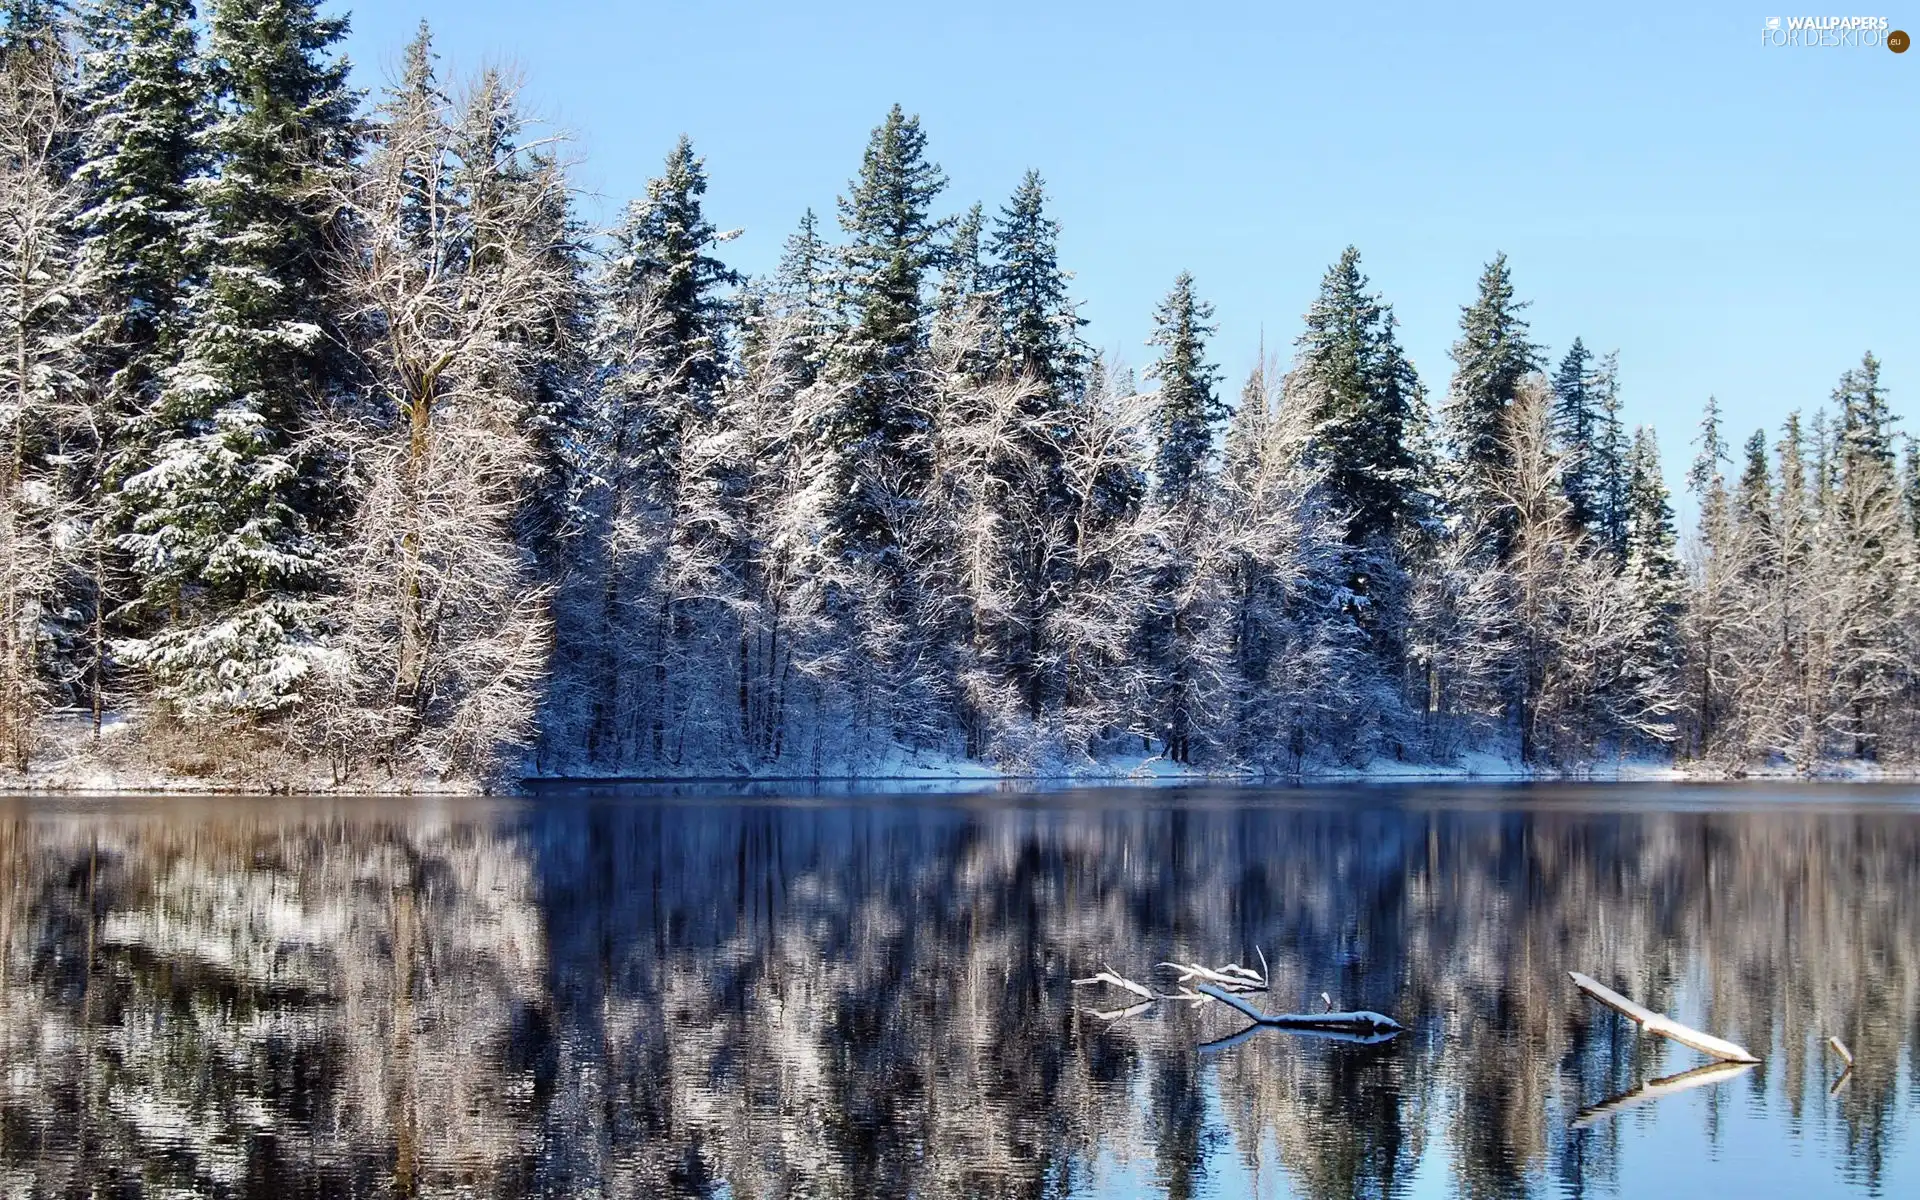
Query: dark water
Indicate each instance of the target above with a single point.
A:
(624, 996)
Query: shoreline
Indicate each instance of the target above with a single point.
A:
(943, 778)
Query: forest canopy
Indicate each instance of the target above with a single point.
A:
(334, 432)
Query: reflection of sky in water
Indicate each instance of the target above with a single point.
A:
(611, 991)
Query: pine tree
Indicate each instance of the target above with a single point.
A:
(964, 282)
(1872, 558)
(1491, 358)
(145, 102)
(965, 306)
(669, 315)
(1910, 483)
(805, 287)
(1577, 427)
(1610, 458)
(1188, 410)
(222, 535)
(1040, 325)
(1711, 609)
(1654, 580)
(1754, 499)
(1368, 412)
(34, 28)
(663, 340)
(1179, 646)
(144, 94)
(892, 240)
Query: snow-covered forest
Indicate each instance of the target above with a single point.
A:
(339, 447)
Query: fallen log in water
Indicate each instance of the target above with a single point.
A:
(1647, 1093)
(1363, 1023)
(1840, 1048)
(1653, 1022)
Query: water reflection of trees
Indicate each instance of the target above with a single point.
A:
(638, 1000)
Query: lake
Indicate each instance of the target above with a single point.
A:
(616, 992)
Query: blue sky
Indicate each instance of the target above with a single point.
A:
(1734, 219)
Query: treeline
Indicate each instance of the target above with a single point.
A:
(332, 428)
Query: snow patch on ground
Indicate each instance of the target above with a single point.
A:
(118, 761)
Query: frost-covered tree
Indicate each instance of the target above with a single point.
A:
(1611, 447)
(1544, 551)
(145, 100)
(1189, 409)
(663, 344)
(1492, 357)
(1872, 560)
(1656, 586)
(1301, 682)
(1718, 566)
(442, 630)
(1181, 644)
(43, 410)
(805, 299)
(224, 511)
(1460, 638)
(1040, 324)
(892, 240)
(1577, 433)
(1367, 427)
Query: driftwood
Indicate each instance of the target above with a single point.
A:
(1840, 1048)
(1647, 1093)
(1652, 1022)
(1232, 977)
(1229, 985)
(1362, 1023)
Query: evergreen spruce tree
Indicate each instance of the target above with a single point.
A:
(143, 98)
(1910, 483)
(1866, 435)
(805, 286)
(1188, 409)
(963, 272)
(892, 240)
(663, 338)
(1873, 559)
(1652, 571)
(145, 103)
(1367, 418)
(1711, 608)
(1491, 358)
(965, 307)
(1040, 325)
(1754, 500)
(224, 511)
(1610, 458)
(1576, 431)
(668, 312)
(32, 27)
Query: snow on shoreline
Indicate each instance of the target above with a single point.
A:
(908, 773)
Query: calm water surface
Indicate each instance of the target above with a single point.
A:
(615, 994)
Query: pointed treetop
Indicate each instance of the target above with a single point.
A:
(1188, 409)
